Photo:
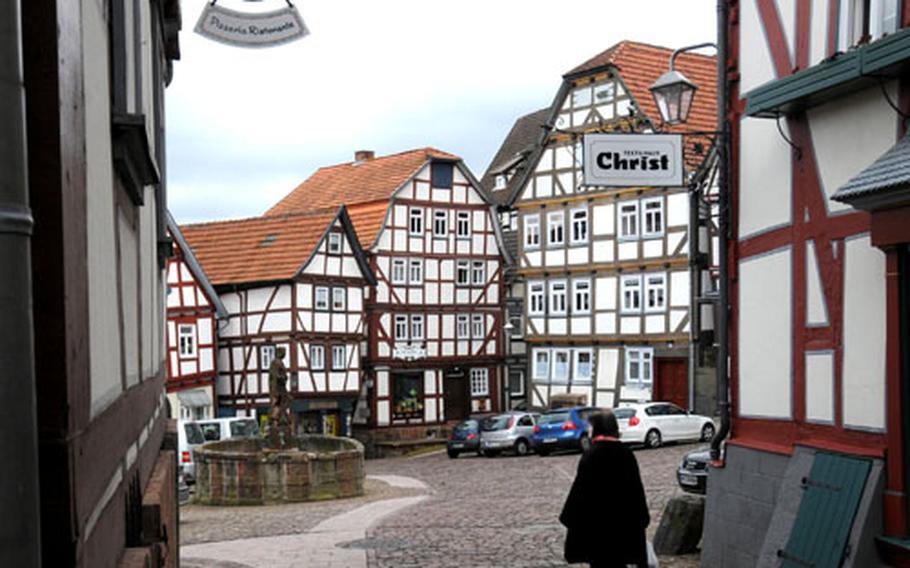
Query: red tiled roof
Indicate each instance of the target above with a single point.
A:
(259, 249)
(352, 183)
(641, 64)
(367, 219)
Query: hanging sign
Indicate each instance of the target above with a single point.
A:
(246, 29)
(626, 160)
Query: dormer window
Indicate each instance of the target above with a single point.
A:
(500, 182)
(334, 243)
(441, 174)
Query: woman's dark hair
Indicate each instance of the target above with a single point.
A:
(603, 423)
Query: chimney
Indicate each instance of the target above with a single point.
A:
(361, 156)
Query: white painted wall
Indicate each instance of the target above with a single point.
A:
(755, 65)
(764, 176)
(820, 386)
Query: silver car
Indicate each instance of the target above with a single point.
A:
(507, 432)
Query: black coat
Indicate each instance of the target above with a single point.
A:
(606, 511)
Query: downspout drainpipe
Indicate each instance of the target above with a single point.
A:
(723, 307)
(19, 498)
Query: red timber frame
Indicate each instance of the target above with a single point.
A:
(396, 305)
(183, 314)
(827, 232)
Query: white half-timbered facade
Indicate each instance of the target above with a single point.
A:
(606, 271)
(193, 312)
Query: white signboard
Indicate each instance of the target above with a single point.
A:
(626, 160)
(409, 352)
(243, 29)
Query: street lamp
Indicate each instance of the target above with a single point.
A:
(673, 92)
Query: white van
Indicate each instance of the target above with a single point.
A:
(189, 436)
(215, 429)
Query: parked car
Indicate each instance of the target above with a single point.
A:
(189, 436)
(465, 438)
(507, 432)
(215, 429)
(692, 474)
(562, 429)
(654, 423)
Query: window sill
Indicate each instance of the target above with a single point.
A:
(132, 156)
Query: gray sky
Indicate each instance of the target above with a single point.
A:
(244, 127)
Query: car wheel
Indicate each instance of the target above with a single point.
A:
(521, 447)
(707, 433)
(453, 454)
(653, 439)
(585, 443)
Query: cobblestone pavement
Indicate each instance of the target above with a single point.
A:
(499, 512)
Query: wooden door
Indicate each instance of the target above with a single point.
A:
(457, 397)
(671, 383)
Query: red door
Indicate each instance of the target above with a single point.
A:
(672, 381)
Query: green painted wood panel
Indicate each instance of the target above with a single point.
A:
(831, 495)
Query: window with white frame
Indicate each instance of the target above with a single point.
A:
(334, 243)
(541, 365)
(415, 271)
(462, 329)
(416, 327)
(499, 182)
(628, 220)
(558, 297)
(338, 299)
(555, 229)
(639, 366)
(536, 304)
(187, 340)
(401, 328)
(584, 365)
(339, 357)
(655, 292)
(321, 298)
(317, 357)
(631, 294)
(579, 233)
(862, 21)
(652, 217)
(480, 382)
(478, 329)
(462, 272)
(415, 221)
(463, 224)
(560, 365)
(581, 296)
(266, 356)
(478, 273)
(532, 231)
(440, 223)
(399, 275)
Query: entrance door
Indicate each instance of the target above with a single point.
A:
(672, 381)
(457, 397)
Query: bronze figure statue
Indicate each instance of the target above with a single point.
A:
(279, 434)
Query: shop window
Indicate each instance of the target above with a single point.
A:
(407, 396)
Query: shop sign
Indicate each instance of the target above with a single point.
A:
(409, 352)
(631, 160)
(251, 29)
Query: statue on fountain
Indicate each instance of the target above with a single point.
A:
(278, 431)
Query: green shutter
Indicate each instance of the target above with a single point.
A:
(831, 496)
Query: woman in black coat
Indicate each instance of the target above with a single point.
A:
(606, 511)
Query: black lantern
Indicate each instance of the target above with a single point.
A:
(673, 93)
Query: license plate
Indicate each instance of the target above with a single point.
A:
(549, 440)
(457, 446)
(686, 479)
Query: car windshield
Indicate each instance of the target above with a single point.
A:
(496, 423)
(554, 417)
(244, 429)
(211, 431)
(467, 426)
(193, 433)
(624, 413)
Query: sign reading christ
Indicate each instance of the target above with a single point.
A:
(251, 29)
(628, 160)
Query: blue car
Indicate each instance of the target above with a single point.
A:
(465, 438)
(562, 429)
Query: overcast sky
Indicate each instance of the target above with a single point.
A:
(244, 127)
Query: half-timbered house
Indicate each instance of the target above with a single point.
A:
(436, 313)
(193, 312)
(608, 272)
(297, 282)
(814, 472)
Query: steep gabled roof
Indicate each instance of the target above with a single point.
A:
(513, 154)
(357, 182)
(265, 249)
(195, 268)
(641, 64)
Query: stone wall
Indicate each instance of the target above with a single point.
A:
(242, 472)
